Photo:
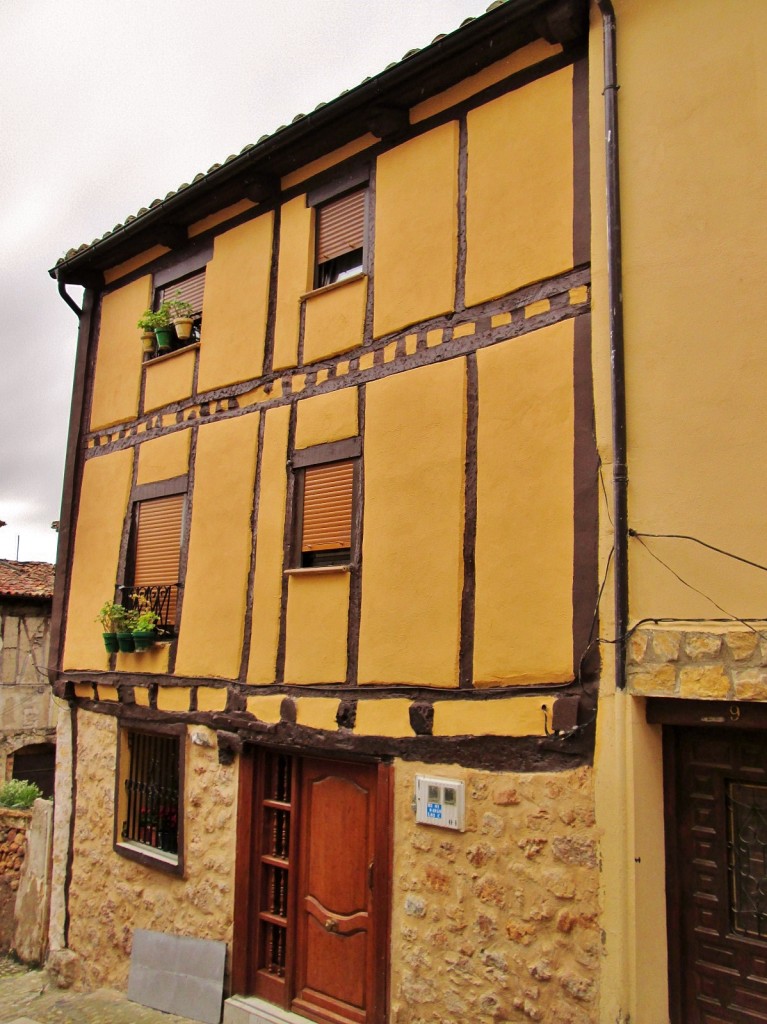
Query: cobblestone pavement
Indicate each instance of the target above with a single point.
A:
(29, 997)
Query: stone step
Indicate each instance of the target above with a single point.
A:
(249, 1010)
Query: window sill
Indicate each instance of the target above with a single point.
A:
(170, 355)
(149, 856)
(333, 285)
(318, 570)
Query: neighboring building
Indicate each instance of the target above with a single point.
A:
(27, 709)
(379, 499)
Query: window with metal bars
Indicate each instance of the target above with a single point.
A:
(149, 796)
(324, 511)
(340, 233)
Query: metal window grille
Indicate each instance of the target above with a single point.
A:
(152, 791)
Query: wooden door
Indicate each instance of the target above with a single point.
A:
(335, 948)
(313, 886)
(717, 842)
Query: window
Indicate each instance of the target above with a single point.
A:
(325, 500)
(341, 238)
(155, 549)
(189, 290)
(149, 799)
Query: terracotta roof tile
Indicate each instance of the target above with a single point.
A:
(26, 579)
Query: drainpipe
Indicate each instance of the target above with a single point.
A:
(68, 298)
(615, 293)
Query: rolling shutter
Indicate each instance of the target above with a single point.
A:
(341, 226)
(327, 519)
(190, 290)
(158, 544)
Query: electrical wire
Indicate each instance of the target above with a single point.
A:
(697, 540)
(734, 618)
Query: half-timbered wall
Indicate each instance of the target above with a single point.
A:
(453, 357)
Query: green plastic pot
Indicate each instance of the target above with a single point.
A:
(143, 639)
(125, 642)
(164, 336)
(110, 642)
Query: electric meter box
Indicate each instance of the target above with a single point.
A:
(440, 802)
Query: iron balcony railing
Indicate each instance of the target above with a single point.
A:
(161, 598)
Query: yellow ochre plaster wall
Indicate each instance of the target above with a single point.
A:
(334, 319)
(416, 219)
(103, 502)
(169, 379)
(694, 208)
(115, 273)
(235, 304)
(318, 612)
(267, 583)
(293, 278)
(470, 86)
(164, 457)
(524, 550)
(213, 612)
(519, 197)
(329, 417)
(118, 360)
(412, 546)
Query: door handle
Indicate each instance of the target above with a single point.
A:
(331, 925)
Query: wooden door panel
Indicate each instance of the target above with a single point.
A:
(721, 853)
(335, 933)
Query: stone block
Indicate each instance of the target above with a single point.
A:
(653, 680)
(751, 684)
(666, 644)
(704, 682)
(741, 645)
(702, 646)
(637, 647)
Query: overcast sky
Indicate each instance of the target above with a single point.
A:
(105, 106)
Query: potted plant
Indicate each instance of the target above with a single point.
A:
(158, 321)
(111, 616)
(182, 315)
(125, 640)
(144, 626)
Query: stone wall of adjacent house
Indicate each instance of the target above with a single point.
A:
(28, 712)
(500, 922)
(729, 664)
(13, 842)
(110, 896)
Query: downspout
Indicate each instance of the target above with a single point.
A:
(617, 363)
(64, 819)
(68, 298)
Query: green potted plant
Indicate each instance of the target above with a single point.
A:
(125, 640)
(112, 617)
(159, 322)
(144, 626)
(182, 315)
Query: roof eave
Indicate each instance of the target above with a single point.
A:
(480, 42)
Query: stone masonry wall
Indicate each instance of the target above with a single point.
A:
(110, 896)
(13, 844)
(500, 922)
(730, 664)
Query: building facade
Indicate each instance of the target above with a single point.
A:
(27, 710)
(441, 709)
